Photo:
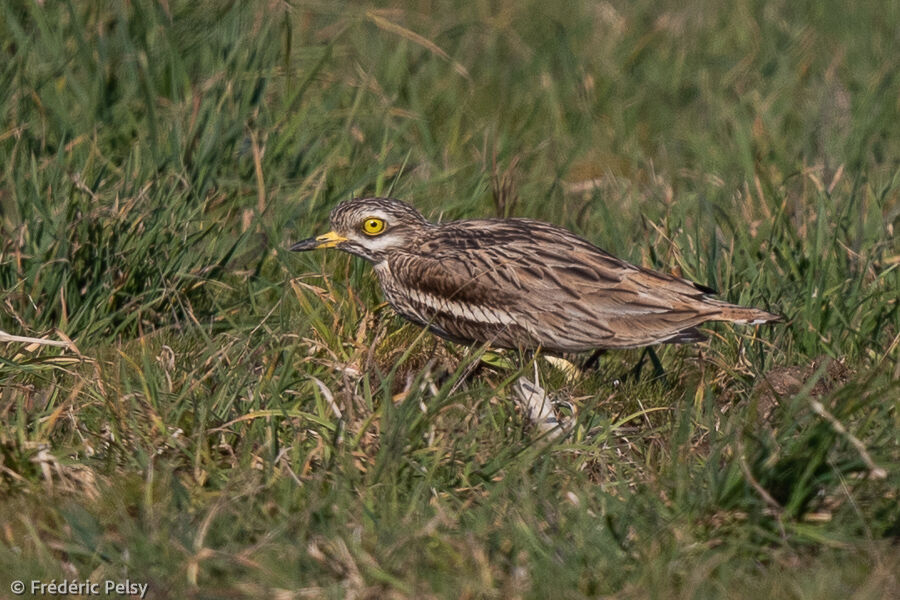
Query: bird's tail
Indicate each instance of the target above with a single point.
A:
(743, 315)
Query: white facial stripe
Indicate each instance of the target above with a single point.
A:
(375, 243)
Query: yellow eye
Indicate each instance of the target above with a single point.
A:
(373, 226)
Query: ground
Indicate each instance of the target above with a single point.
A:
(230, 420)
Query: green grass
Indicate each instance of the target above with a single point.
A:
(157, 158)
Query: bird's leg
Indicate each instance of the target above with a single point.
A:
(638, 368)
(593, 360)
(658, 371)
(635, 372)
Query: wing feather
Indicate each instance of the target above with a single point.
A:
(519, 282)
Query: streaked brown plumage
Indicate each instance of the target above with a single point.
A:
(520, 283)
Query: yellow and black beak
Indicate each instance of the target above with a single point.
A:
(327, 240)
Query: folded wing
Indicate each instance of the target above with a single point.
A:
(526, 283)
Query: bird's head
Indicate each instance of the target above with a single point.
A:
(369, 227)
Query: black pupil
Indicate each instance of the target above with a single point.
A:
(373, 224)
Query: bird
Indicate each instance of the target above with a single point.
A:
(520, 283)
